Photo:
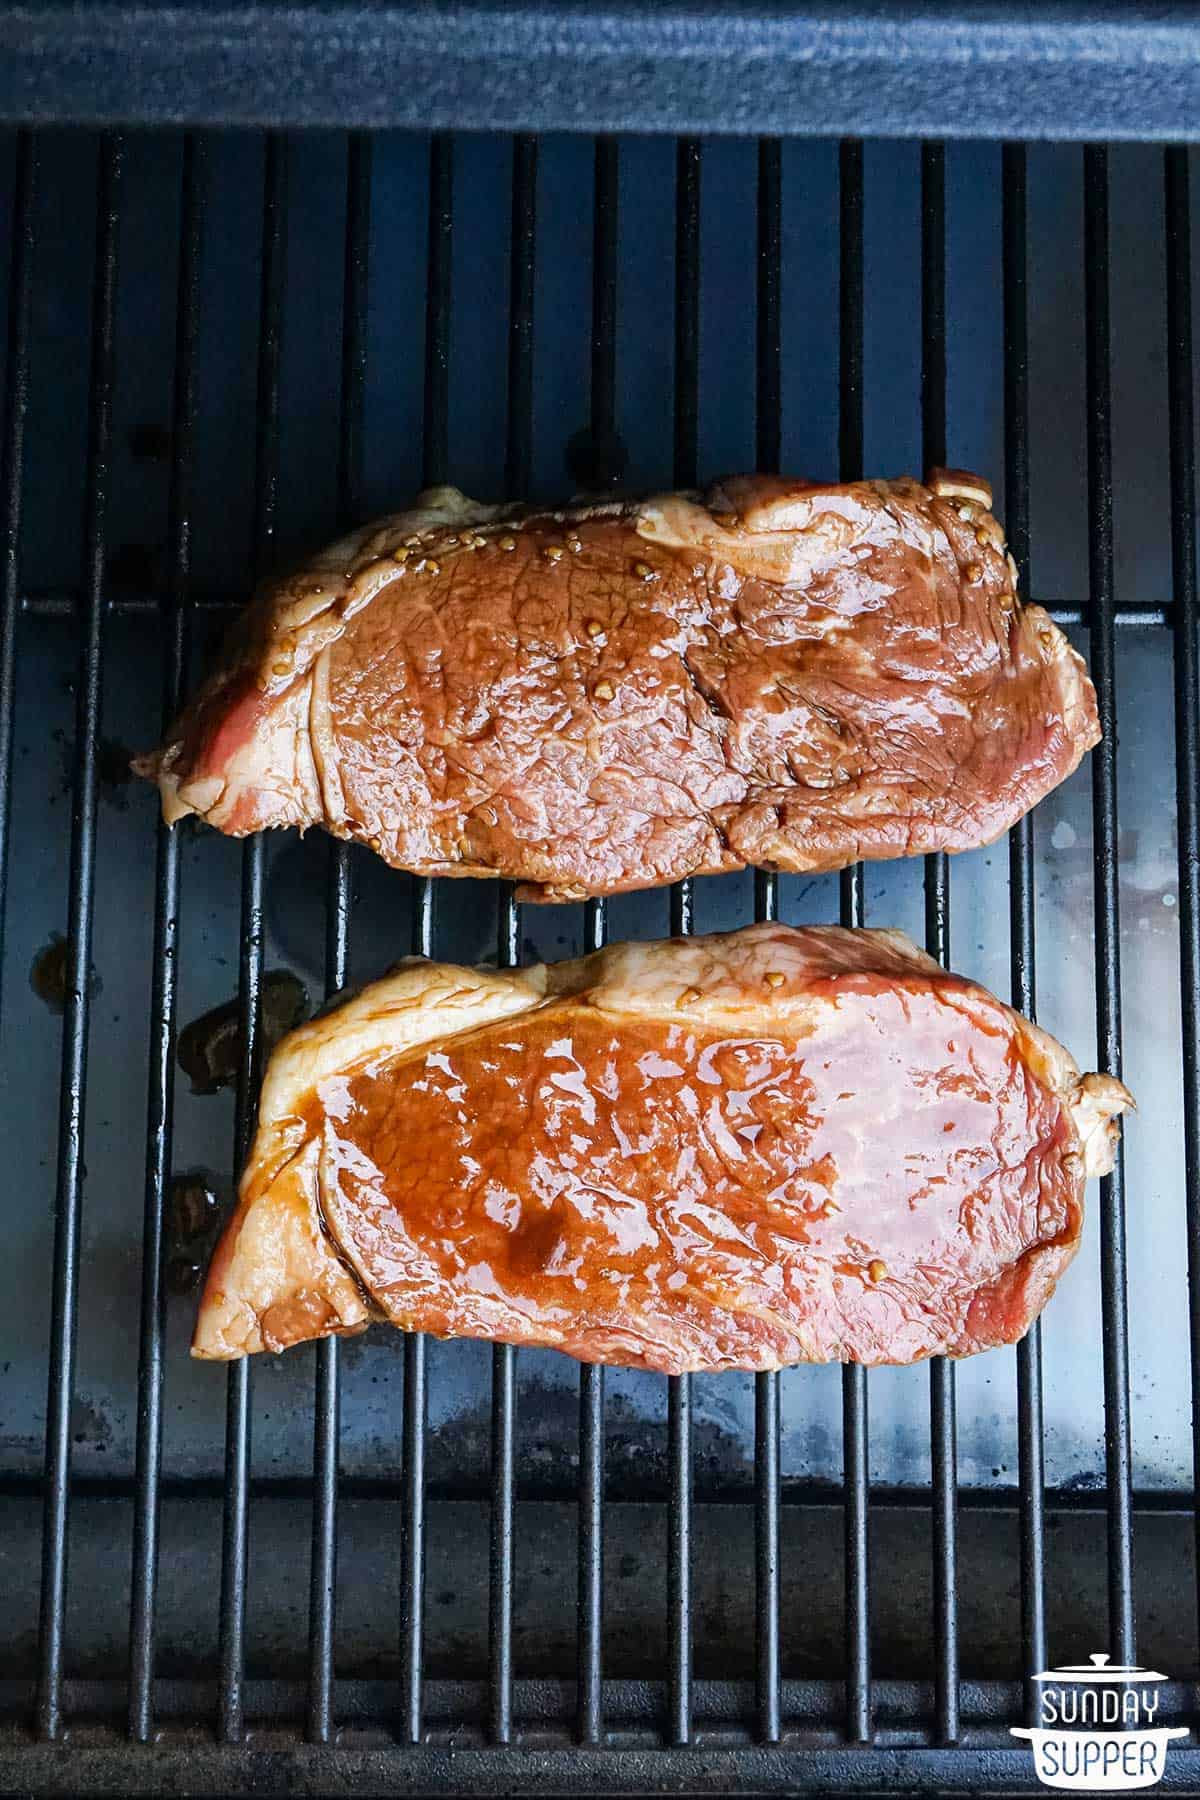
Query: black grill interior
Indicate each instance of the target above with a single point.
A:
(400, 1565)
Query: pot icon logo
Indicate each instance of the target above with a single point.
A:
(1097, 1727)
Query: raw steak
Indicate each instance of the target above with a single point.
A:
(732, 1152)
(612, 696)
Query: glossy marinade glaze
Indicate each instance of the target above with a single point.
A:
(738, 1152)
(614, 695)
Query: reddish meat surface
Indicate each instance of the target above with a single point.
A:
(735, 1152)
(607, 697)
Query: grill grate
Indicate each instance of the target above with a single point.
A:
(64, 1298)
(627, 1736)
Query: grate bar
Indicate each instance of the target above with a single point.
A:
(1181, 371)
(591, 1550)
(604, 287)
(437, 309)
(767, 1479)
(591, 1495)
(69, 1197)
(937, 942)
(591, 1491)
(678, 1726)
(412, 1517)
(322, 1598)
(412, 1535)
(235, 1530)
(438, 296)
(235, 1538)
(855, 1439)
(520, 329)
(326, 1426)
(1031, 1465)
(504, 1359)
(856, 1479)
(1115, 1325)
(768, 401)
(12, 473)
(687, 310)
(850, 309)
(768, 426)
(355, 299)
(322, 1601)
(435, 459)
(500, 1598)
(679, 1559)
(162, 1003)
(933, 304)
(413, 1427)
(606, 201)
(679, 1503)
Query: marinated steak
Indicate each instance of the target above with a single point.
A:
(789, 674)
(732, 1152)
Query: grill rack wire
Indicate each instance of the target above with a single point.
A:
(839, 1751)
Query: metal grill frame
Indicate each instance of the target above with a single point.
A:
(1078, 69)
(584, 1735)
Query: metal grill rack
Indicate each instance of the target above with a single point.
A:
(234, 1727)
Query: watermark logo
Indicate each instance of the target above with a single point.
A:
(1098, 1727)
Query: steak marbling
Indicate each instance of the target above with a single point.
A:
(730, 1152)
(613, 696)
